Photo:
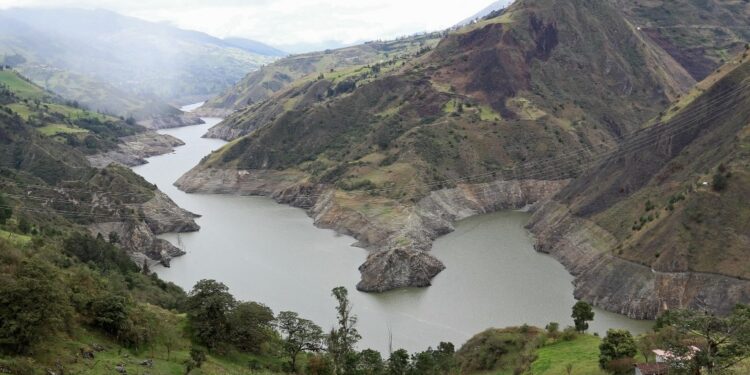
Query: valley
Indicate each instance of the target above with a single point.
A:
(546, 187)
(273, 253)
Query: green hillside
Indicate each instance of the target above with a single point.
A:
(62, 120)
(270, 79)
(122, 65)
(690, 193)
(494, 100)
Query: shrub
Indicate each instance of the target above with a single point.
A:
(719, 182)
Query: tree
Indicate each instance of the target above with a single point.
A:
(445, 355)
(24, 226)
(371, 362)
(33, 304)
(722, 342)
(114, 237)
(617, 345)
(342, 339)
(5, 210)
(110, 313)
(250, 325)
(582, 314)
(398, 362)
(299, 335)
(423, 363)
(719, 182)
(197, 357)
(169, 337)
(208, 307)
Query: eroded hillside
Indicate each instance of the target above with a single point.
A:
(662, 222)
(499, 114)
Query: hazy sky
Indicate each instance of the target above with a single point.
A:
(288, 22)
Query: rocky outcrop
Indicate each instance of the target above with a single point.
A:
(133, 150)
(164, 216)
(224, 131)
(204, 111)
(138, 238)
(139, 241)
(622, 286)
(171, 121)
(400, 243)
(398, 267)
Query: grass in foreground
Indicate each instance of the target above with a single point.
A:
(582, 352)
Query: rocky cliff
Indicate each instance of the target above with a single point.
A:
(133, 150)
(171, 121)
(399, 236)
(622, 286)
(662, 222)
(160, 215)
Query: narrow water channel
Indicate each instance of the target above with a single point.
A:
(273, 254)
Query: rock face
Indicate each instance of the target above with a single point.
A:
(138, 238)
(173, 121)
(135, 149)
(621, 286)
(204, 111)
(400, 244)
(222, 131)
(398, 268)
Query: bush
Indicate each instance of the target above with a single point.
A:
(33, 304)
(569, 334)
(617, 347)
(622, 366)
(553, 328)
(110, 313)
(720, 182)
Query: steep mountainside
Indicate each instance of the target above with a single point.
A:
(119, 64)
(700, 34)
(46, 176)
(662, 223)
(262, 84)
(102, 138)
(490, 118)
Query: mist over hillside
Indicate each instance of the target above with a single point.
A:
(120, 64)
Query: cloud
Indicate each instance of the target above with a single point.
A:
(286, 22)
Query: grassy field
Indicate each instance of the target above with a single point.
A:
(66, 350)
(582, 353)
(22, 88)
(15, 238)
(54, 129)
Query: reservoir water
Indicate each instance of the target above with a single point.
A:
(272, 253)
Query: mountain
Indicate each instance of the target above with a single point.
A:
(121, 65)
(488, 10)
(256, 47)
(700, 35)
(263, 83)
(47, 178)
(661, 223)
(500, 114)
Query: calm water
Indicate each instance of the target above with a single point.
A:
(273, 254)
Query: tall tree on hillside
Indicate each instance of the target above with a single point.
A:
(299, 335)
(208, 307)
(344, 337)
(582, 314)
(250, 325)
(618, 345)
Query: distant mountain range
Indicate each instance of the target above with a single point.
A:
(120, 64)
(497, 5)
